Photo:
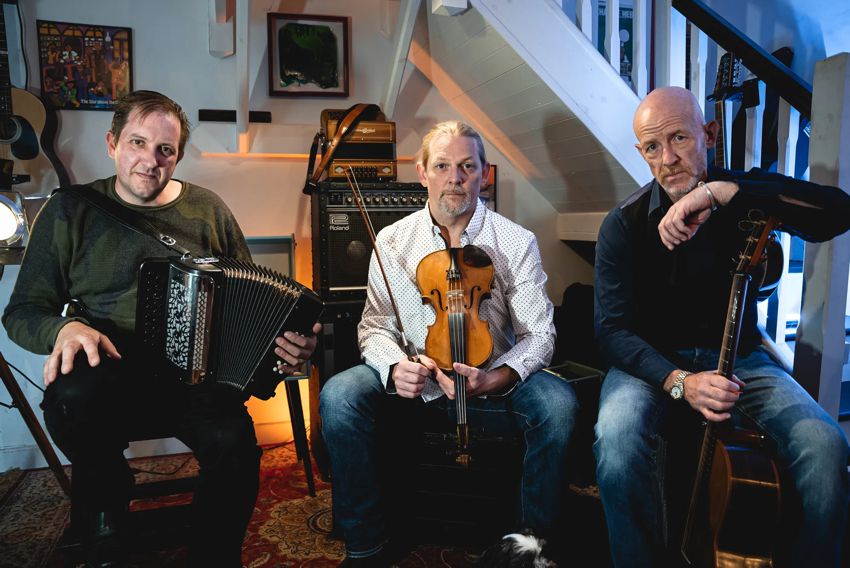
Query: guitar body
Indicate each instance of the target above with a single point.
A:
(26, 138)
(744, 502)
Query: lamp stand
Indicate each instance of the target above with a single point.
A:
(20, 402)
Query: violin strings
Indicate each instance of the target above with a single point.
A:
(456, 330)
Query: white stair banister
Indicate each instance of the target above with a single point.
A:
(640, 47)
(584, 18)
(819, 353)
(699, 51)
(669, 45)
(612, 33)
(755, 120)
(788, 129)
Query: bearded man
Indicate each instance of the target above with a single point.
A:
(509, 386)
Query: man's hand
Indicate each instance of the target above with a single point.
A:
(295, 349)
(479, 382)
(72, 338)
(410, 377)
(712, 395)
(685, 217)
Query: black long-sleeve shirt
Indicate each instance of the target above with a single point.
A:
(651, 301)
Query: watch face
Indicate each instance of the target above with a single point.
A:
(676, 391)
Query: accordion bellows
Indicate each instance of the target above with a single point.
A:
(217, 318)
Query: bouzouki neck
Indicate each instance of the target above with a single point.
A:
(720, 142)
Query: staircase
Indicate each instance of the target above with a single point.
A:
(527, 78)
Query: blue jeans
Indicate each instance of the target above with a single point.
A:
(543, 407)
(811, 449)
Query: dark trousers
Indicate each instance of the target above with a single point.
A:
(93, 412)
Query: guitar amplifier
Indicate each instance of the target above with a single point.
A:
(368, 147)
(341, 244)
(371, 170)
(364, 132)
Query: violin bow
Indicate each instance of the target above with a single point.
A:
(409, 348)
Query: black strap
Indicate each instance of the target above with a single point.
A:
(310, 183)
(124, 215)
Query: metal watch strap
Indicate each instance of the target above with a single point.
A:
(677, 391)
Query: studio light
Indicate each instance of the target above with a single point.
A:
(13, 226)
(16, 212)
(16, 215)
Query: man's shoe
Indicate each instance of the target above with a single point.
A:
(104, 548)
(378, 560)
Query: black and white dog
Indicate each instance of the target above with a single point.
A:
(517, 550)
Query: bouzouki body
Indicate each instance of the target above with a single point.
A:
(735, 505)
(744, 502)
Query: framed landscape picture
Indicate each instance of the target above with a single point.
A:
(308, 55)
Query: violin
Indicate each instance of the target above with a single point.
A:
(454, 281)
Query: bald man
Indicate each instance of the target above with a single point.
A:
(663, 274)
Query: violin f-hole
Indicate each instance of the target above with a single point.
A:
(437, 300)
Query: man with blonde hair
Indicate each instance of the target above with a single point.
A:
(453, 167)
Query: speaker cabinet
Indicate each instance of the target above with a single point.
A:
(341, 244)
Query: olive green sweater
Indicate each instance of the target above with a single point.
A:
(77, 252)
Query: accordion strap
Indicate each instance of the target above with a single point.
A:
(351, 118)
(124, 215)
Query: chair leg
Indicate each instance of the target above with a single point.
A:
(289, 398)
(299, 432)
(20, 402)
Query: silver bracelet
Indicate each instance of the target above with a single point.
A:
(710, 196)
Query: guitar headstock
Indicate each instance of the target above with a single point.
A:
(728, 82)
(760, 236)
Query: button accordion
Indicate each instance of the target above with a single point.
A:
(217, 319)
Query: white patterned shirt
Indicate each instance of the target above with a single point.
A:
(518, 310)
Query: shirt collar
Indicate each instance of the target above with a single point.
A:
(659, 201)
(472, 228)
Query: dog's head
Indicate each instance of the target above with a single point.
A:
(516, 550)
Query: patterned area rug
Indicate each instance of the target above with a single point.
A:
(289, 528)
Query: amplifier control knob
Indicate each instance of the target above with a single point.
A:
(404, 200)
(349, 200)
(367, 199)
(395, 199)
(386, 200)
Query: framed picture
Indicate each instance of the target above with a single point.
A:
(82, 66)
(488, 192)
(308, 55)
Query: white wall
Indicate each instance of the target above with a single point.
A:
(170, 54)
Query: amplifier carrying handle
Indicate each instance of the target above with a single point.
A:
(351, 118)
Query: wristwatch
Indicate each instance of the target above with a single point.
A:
(677, 391)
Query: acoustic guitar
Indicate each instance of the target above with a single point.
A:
(734, 510)
(27, 132)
